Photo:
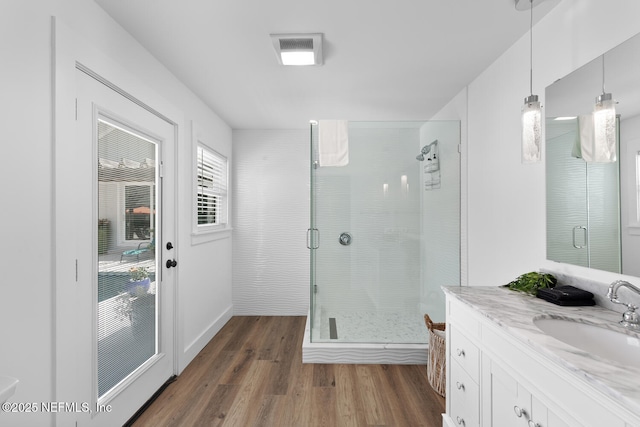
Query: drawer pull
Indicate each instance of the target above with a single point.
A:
(460, 386)
(520, 412)
(460, 421)
(460, 352)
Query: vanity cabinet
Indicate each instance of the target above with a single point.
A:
(513, 405)
(463, 370)
(464, 392)
(496, 380)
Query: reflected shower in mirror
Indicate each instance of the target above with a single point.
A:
(593, 204)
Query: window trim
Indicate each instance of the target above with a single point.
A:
(202, 233)
(216, 172)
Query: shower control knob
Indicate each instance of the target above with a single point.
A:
(345, 239)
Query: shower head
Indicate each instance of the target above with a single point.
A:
(426, 150)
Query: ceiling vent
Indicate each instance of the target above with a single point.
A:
(298, 49)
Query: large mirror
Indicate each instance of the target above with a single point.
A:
(593, 207)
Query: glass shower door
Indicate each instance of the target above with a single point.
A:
(366, 228)
(312, 237)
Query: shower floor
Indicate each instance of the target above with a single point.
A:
(371, 327)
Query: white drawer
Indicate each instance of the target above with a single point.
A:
(464, 395)
(465, 353)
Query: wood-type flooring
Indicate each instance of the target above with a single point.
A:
(251, 374)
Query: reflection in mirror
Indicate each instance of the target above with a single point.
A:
(593, 208)
(582, 203)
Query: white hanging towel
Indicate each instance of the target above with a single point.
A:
(333, 142)
(587, 137)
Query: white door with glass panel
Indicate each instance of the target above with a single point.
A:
(124, 337)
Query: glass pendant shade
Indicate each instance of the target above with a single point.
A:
(604, 123)
(531, 129)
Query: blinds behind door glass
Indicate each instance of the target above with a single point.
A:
(127, 213)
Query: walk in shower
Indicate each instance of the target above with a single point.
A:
(384, 231)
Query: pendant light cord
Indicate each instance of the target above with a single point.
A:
(531, 48)
(603, 91)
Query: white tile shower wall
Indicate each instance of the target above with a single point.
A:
(380, 270)
(270, 219)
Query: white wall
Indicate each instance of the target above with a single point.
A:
(506, 199)
(271, 216)
(27, 312)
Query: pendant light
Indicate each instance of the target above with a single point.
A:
(531, 110)
(604, 123)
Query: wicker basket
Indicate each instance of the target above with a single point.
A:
(436, 365)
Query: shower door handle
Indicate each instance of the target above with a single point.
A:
(310, 239)
(584, 239)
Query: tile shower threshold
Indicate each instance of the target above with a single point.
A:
(365, 353)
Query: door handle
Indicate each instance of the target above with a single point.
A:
(310, 234)
(171, 263)
(584, 230)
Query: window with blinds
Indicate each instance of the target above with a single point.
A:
(127, 209)
(211, 194)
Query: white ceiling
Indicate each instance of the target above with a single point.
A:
(384, 60)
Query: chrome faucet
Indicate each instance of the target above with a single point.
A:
(630, 319)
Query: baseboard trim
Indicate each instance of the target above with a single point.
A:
(192, 350)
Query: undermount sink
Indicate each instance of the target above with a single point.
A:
(602, 342)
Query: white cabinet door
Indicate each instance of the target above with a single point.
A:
(512, 405)
(543, 417)
(505, 399)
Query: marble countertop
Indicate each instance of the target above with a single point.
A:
(514, 312)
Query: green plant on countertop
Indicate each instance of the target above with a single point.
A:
(529, 283)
